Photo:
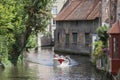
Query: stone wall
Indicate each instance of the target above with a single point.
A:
(45, 41)
(79, 27)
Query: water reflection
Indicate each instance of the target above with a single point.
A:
(45, 57)
(39, 66)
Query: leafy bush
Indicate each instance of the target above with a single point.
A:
(98, 49)
(32, 42)
(102, 34)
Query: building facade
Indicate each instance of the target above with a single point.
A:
(114, 38)
(56, 8)
(76, 24)
(44, 40)
(111, 16)
(105, 12)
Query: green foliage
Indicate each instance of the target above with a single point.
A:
(32, 42)
(98, 49)
(4, 47)
(46, 33)
(10, 25)
(101, 50)
(19, 19)
(38, 12)
(102, 34)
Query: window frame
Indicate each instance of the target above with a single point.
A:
(74, 38)
(54, 10)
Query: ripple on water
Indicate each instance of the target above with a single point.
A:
(46, 60)
(44, 69)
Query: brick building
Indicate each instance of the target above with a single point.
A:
(76, 24)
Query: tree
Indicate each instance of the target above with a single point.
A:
(103, 35)
(6, 27)
(26, 17)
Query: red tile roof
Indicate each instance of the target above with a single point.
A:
(80, 10)
(115, 29)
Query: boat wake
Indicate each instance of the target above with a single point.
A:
(53, 60)
(63, 61)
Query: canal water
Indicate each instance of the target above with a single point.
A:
(39, 66)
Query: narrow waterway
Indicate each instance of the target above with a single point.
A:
(39, 66)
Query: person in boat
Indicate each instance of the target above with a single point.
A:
(56, 56)
(61, 59)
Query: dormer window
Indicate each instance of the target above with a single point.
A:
(54, 10)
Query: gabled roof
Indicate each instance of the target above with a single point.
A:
(80, 10)
(115, 29)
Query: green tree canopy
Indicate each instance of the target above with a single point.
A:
(18, 20)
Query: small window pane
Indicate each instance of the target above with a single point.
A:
(54, 10)
(74, 38)
(54, 22)
(87, 39)
(67, 40)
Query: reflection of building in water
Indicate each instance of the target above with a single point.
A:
(62, 73)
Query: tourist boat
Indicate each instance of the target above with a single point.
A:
(61, 60)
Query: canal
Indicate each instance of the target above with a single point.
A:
(39, 66)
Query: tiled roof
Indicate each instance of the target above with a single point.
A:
(80, 10)
(115, 29)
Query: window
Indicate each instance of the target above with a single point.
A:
(115, 48)
(54, 10)
(87, 39)
(67, 40)
(54, 22)
(74, 38)
(58, 37)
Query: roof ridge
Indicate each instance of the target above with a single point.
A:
(80, 10)
(67, 6)
(64, 8)
(73, 9)
(115, 29)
